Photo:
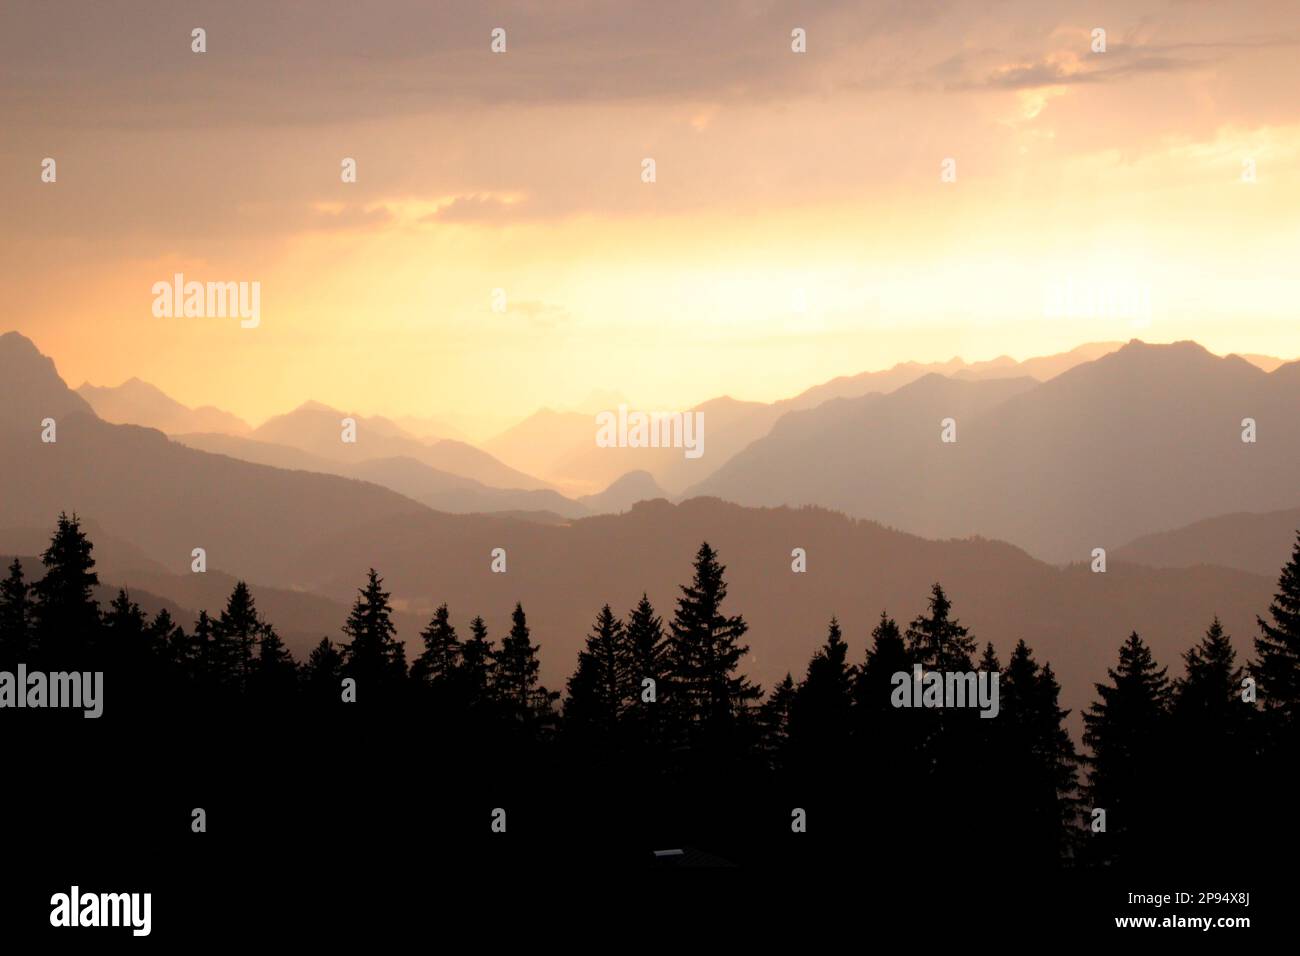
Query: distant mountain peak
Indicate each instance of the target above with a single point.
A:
(30, 386)
(311, 405)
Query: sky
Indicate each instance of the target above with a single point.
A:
(928, 179)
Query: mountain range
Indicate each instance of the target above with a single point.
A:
(1137, 438)
(1142, 440)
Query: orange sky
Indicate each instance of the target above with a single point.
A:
(798, 228)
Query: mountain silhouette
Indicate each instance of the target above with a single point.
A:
(1140, 440)
(624, 493)
(437, 489)
(904, 373)
(1246, 540)
(138, 403)
(160, 495)
(297, 530)
(316, 428)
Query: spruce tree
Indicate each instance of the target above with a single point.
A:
(126, 657)
(1212, 750)
(874, 682)
(1207, 700)
(273, 682)
(168, 640)
(887, 743)
(235, 634)
(710, 699)
(203, 655)
(1038, 765)
(66, 615)
(517, 665)
(774, 723)
(1126, 730)
(821, 715)
(321, 676)
(1276, 668)
(478, 665)
(951, 736)
(597, 689)
(372, 655)
(437, 663)
(124, 626)
(647, 653)
(937, 641)
(15, 618)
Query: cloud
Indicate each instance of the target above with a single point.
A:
(479, 208)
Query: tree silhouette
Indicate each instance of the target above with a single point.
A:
(938, 642)
(66, 614)
(478, 659)
(1038, 764)
(928, 778)
(372, 655)
(1126, 729)
(774, 723)
(876, 720)
(1211, 750)
(436, 666)
(597, 689)
(515, 681)
(821, 714)
(235, 634)
(1277, 652)
(15, 618)
(1207, 700)
(711, 700)
(273, 682)
(321, 675)
(647, 654)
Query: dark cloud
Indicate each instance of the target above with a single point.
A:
(296, 63)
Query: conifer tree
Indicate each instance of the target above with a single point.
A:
(1126, 728)
(273, 681)
(234, 638)
(1038, 764)
(437, 663)
(203, 658)
(66, 615)
(774, 722)
(166, 639)
(372, 655)
(124, 625)
(478, 665)
(821, 718)
(125, 632)
(1276, 668)
(873, 684)
(647, 659)
(710, 699)
(950, 737)
(15, 618)
(517, 665)
(1213, 751)
(322, 674)
(597, 689)
(937, 641)
(1207, 700)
